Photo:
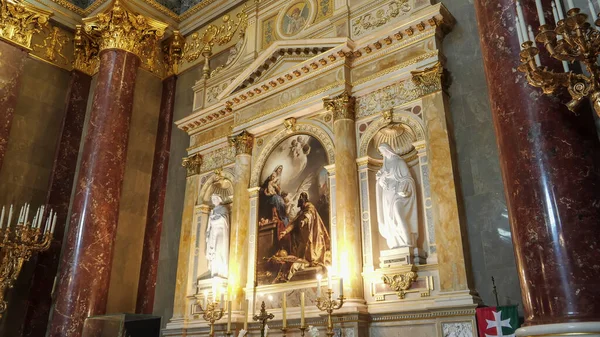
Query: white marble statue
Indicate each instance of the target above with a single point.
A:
(266, 330)
(217, 238)
(396, 201)
(313, 331)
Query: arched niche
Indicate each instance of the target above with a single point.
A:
(220, 182)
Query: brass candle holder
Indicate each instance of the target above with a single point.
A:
(211, 314)
(284, 331)
(303, 330)
(18, 243)
(263, 317)
(329, 305)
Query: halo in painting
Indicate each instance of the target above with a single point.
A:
(295, 18)
(294, 240)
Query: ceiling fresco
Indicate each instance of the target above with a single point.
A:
(176, 6)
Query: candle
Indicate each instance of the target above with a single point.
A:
(10, 213)
(246, 316)
(592, 10)
(540, 12)
(39, 224)
(21, 212)
(570, 3)
(521, 19)
(205, 299)
(26, 214)
(53, 223)
(532, 38)
(329, 278)
(519, 33)
(2, 218)
(302, 309)
(319, 285)
(341, 287)
(284, 310)
(34, 222)
(228, 316)
(559, 10)
(214, 290)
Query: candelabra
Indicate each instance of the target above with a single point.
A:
(19, 242)
(571, 39)
(328, 304)
(211, 313)
(263, 317)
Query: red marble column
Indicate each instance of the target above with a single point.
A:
(59, 196)
(12, 61)
(156, 201)
(84, 275)
(550, 161)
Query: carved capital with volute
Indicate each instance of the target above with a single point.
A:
(120, 28)
(341, 106)
(19, 21)
(192, 164)
(243, 143)
(86, 52)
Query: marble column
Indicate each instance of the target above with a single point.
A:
(156, 201)
(240, 215)
(348, 237)
(550, 161)
(59, 196)
(12, 61)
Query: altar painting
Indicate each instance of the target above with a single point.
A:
(294, 240)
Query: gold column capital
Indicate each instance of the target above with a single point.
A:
(431, 77)
(86, 52)
(20, 20)
(192, 164)
(120, 28)
(342, 106)
(243, 143)
(173, 53)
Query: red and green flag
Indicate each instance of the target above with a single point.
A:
(497, 321)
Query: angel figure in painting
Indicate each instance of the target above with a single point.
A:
(310, 240)
(217, 237)
(396, 201)
(272, 190)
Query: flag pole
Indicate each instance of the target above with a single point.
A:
(495, 291)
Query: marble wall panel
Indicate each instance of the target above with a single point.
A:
(477, 160)
(169, 243)
(134, 198)
(25, 174)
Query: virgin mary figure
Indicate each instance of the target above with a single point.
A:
(217, 238)
(272, 190)
(396, 201)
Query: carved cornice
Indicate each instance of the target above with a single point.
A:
(120, 28)
(192, 164)
(86, 52)
(173, 53)
(19, 21)
(342, 106)
(243, 143)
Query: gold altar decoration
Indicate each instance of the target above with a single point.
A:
(173, 53)
(86, 52)
(243, 143)
(573, 39)
(120, 28)
(192, 164)
(329, 305)
(202, 44)
(211, 313)
(401, 282)
(263, 317)
(19, 21)
(53, 45)
(342, 106)
(18, 243)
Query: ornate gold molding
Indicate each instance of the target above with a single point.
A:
(429, 77)
(86, 52)
(243, 143)
(173, 53)
(290, 124)
(342, 106)
(52, 47)
(192, 164)
(120, 28)
(400, 283)
(19, 21)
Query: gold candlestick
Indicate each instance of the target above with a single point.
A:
(263, 317)
(211, 314)
(19, 243)
(302, 330)
(284, 330)
(328, 304)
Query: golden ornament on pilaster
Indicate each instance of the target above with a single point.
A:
(428, 79)
(86, 52)
(202, 44)
(243, 143)
(120, 28)
(173, 53)
(341, 106)
(401, 282)
(19, 21)
(290, 124)
(192, 164)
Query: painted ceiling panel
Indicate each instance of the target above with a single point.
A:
(176, 6)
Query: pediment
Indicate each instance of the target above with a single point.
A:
(279, 58)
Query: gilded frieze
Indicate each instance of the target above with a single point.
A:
(218, 158)
(391, 11)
